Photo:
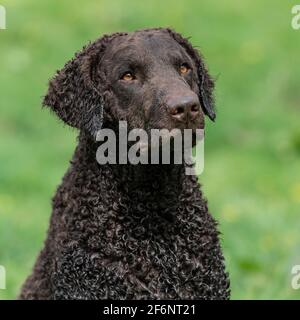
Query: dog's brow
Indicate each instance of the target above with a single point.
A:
(127, 50)
(176, 56)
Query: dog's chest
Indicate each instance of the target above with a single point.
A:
(136, 256)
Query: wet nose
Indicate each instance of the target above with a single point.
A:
(184, 108)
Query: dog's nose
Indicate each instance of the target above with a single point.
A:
(184, 108)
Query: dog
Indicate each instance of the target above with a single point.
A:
(124, 231)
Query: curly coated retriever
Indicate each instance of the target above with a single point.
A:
(125, 231)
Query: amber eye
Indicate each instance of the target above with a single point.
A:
(128, 76)
(184, 68)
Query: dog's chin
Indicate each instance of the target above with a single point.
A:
(168, 143)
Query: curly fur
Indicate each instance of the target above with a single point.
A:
(124, 231)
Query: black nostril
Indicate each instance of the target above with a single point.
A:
(179, 110)
(194, 108)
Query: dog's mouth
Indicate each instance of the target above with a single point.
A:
(151, 146)
(171, 125)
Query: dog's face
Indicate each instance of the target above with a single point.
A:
(153, 79)
(151, 82)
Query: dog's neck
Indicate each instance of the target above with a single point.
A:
(140, 176)
(146, 189)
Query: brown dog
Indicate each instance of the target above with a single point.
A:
(130, 231)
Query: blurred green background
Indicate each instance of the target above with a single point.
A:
(252, 169)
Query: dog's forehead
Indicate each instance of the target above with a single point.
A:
(154, 41)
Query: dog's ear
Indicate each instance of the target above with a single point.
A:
(74, 94)
(206, 83)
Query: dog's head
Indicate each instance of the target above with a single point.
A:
(150, 78)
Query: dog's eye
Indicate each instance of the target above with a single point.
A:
(184, 68)
(128, 76)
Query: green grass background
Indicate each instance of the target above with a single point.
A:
(252, 169)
